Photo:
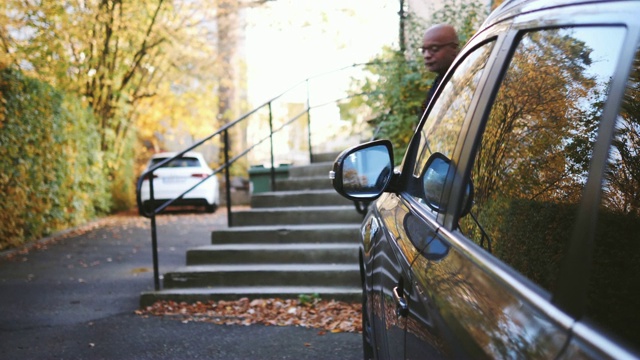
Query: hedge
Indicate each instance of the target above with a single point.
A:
(51, 168)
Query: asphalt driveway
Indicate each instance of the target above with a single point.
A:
(73, 296)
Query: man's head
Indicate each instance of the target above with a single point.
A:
(439, 47)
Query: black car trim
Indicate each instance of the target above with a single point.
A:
(592, 335)
(516, 8)
(409, 180)
(475, 124)
(573, 279)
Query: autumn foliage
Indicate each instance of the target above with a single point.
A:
(398, 84)
(51, 175)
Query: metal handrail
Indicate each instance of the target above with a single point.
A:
(224, 132)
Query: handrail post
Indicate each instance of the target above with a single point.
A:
(273, 170)
(227, 178)
(154, 235)
(224, 132)
(309, 122)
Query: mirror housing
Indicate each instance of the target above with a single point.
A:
(434, 181)
(363, 172)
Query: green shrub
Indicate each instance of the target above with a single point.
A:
(51, 174)
(122, 177)
(86, 177)
(398, 82)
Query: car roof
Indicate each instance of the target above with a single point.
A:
(511, 8)
(172, 154)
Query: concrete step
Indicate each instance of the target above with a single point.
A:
(304, 183)
(214, 276)
(274, 254)
(193, 295)
(299, 177)
(297, 215)
(299, 240)
(320, 170)
(325, 157)
(274, 234)
(298, 198)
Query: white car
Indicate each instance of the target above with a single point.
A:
(178, 176)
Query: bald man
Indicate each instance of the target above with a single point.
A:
(439, 48)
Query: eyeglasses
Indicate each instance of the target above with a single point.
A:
(433, 49)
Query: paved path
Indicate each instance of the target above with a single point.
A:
(74, 297)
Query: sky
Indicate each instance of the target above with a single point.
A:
(288, 41)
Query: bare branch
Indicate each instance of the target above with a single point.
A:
(143, 49)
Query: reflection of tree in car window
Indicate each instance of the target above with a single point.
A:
(622, 190)
(539, 106)
(531, 167)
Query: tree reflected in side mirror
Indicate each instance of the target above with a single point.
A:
(366, 172)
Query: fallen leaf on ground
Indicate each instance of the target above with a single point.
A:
(328, 315)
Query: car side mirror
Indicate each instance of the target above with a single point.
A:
(434, 180)
(363, 172)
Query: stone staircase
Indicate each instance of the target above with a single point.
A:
(299, 240)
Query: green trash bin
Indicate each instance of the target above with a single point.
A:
(260, 176)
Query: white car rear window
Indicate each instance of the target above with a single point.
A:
(176, 163)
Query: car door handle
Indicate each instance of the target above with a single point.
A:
(402, 309)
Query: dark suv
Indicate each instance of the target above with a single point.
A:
(512, 227)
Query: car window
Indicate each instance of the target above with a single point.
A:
(176, 163)
(440, 131)
(531, 165)
(614, 291)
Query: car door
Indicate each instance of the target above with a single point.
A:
(406, 232)
(492, 294)
(392, 262)
(403, 236)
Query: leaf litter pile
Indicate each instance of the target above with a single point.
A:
(326, 315)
